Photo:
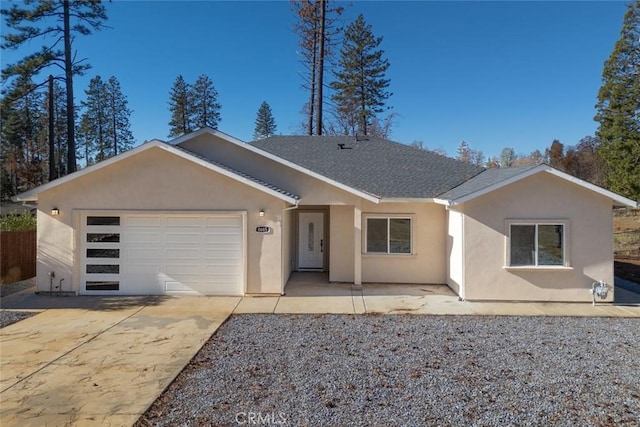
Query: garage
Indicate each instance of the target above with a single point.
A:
(154, 253)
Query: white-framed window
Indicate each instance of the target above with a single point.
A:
(388, 234)
(537, 243)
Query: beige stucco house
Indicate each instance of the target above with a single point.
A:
(209, 214)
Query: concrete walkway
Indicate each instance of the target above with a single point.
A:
(75, 366)
(311, 293)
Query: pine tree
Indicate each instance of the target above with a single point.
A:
(205, 106)
(360, 85)
(118, 127)
(95, 120)
(619, 108)
(265, 123)
(180, 106)
(23, 139)
(105, 130)
(58, 21)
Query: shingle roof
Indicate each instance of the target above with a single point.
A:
(240, 174)
(484, 180)
(376, 166)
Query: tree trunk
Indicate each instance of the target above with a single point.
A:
(68, 69)
(321, 37)
(312, 96)
(115, 131)
(52, 153)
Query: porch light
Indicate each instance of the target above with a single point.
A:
(261, 213)
(55, 212)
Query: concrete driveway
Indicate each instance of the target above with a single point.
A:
(104, 361)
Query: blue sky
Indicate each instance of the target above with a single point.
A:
(494, 74)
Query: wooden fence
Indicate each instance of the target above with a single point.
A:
(17, 255)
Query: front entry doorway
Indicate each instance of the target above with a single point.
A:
(311, 245)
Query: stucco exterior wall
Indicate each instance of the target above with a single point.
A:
(427, 264)
(541, 196)
(155, 180)
(455, 252)
(341, 255)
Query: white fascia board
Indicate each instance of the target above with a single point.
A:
(442, 202)
(32, 195)
(545, 168)
(602, 191)
(407, 200)
(369, 197)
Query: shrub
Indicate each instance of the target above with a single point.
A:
(23, 222)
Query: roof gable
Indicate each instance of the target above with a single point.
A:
(494, 179)
(215, 166)
(372, 197)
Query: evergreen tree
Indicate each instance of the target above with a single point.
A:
(205, 106)
(95, 121)
(105, 130)
(118, 127)
(265, 123)
(58, 21)
(618, 108)
(180, 106)
(360, 85)
(24, 144)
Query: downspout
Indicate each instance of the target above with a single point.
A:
(290, 208)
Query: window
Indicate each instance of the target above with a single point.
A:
(388, 235)
(103, 220)
(537, 244)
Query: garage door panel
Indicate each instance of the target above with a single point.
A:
(223, 254)
(184, 221)
(223, 221)
(221, 239)
(135, 254)
(184, 253)
(210, 270)
(180, 238)
(143, 221)
(138, 238)
(172, 286)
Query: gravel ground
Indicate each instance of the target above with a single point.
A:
(9, 317)
(409, 370)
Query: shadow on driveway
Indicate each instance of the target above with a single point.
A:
(33, 301)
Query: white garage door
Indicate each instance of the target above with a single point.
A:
(162, 253)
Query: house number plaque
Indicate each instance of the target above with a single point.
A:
(263, 229)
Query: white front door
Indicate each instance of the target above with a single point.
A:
(311, 240)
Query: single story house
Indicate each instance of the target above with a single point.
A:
(209, 214)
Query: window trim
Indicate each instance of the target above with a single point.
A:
(566, 243)
(388, 217)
